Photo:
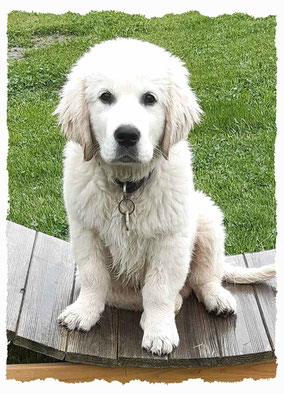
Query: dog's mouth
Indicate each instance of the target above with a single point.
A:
(125, 159)
(126, 155)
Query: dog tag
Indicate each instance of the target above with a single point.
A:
(126, 207)
(127, 222)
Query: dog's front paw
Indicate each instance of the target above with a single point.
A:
(160, 340)
(79, 316)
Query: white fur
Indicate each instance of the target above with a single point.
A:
(176, 239)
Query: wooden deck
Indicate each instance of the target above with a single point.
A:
(41, 284)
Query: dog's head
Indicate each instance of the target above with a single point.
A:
(126, 99)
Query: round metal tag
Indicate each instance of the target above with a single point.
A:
(126, 206)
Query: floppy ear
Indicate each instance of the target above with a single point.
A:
(73, 115)
(182, 109)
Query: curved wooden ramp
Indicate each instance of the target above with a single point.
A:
(41, 283)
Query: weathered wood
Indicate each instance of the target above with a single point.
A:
(265, 292)
(198, 337)
(48, 292)
(99, 345)
(214, 340)
(130, 335)
(242, 337)
(74, 373)
(20, 242)
(42, 266)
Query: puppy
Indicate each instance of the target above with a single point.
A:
(141, 235)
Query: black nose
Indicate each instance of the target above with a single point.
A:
(127, 135)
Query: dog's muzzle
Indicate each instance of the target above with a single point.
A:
(126, 137)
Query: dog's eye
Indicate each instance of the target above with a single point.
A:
(149, 99)
(106, 97)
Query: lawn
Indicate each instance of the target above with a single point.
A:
(232, 61)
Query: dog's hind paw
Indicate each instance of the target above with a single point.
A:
(220, 303)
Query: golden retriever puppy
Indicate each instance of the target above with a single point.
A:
(141, 235)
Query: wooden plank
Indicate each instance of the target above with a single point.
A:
(20, 242)
(99, 345)
(130, 334)
(265, 292)
(243, 337)
(198, 337)
(48, 292)
(42, 266)
(75, 373)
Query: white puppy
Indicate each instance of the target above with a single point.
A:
(127, 109)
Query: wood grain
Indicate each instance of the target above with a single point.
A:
(265, 292)
(198, 337)
(130, 335)
(48, 292)
(99, 345)
(243, 337)
(20, 242)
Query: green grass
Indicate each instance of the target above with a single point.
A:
(232, 60)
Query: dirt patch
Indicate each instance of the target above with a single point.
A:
(40, 42)
(18, 53)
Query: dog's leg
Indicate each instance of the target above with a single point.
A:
(168, 266)
(91, 257)
(127, 298)
(124, 297)
(207, 267)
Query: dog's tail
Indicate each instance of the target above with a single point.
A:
(237, 274)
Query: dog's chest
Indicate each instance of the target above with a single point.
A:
(153, 214)
(128, 249)
(161, 208)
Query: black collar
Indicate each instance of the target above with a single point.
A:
(132, 187)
